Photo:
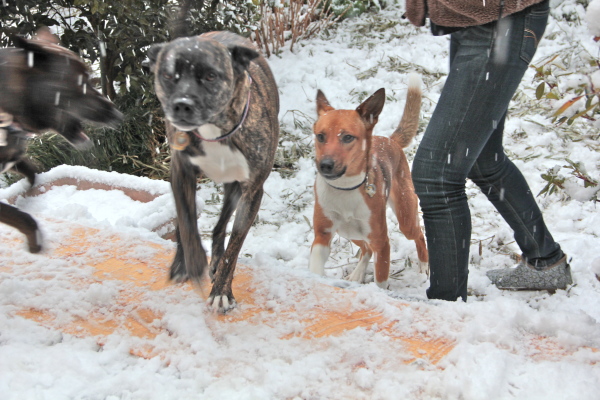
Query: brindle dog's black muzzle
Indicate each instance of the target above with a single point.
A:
(182, 110)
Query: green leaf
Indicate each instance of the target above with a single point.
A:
(539, 92)
(544, 190)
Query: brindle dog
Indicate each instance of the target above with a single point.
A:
(221, 106)
(43, 87)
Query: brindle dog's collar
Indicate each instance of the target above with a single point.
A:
(239, 124)
(6, 119)
(9, 127)
(7, 122)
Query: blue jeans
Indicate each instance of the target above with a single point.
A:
(464, 140)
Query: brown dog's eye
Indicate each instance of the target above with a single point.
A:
(347, 138)
(320, 137)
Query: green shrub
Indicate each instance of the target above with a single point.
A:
(113, 36)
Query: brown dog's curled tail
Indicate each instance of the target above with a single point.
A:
(409, 124)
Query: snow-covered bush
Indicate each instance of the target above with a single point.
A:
(568, 89)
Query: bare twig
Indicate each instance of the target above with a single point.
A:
(300, 19)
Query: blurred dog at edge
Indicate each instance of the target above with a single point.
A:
(43, 87)
(358, 175)
(221, 105)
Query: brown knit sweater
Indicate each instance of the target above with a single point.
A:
(462, 13)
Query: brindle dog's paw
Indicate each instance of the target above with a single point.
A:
(178, 273)
(32, 233)
(34, 240)
(221, 304)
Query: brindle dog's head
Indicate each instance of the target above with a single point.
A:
(195, 78)
(46, 87)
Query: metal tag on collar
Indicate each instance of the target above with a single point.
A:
(370, 189)
(180, 141)
(3, 137)
(5, 119)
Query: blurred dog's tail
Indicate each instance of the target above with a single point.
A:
(180, 24)
(409, 124)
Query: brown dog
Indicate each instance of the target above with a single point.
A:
(358, 174)
(43, 87)
(221, 106)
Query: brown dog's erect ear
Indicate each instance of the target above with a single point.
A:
(322, 104)
(152, 56)
(370, 109)
(241, 57)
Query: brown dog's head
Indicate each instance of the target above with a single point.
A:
(343, 137)
(196, 77)
(49, 89)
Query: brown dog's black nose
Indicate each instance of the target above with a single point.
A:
(326, 166)
(183, 108)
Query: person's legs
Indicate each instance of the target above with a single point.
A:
(543, 264)
(506, 188)
(487, 64)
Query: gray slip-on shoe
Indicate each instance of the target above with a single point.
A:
(526, 277)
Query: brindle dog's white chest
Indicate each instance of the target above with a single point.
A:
(346, 209)
(220, 162)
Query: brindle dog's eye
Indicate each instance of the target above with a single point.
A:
(167, 76)
(320, 138)
(211, 76)
(347, 138)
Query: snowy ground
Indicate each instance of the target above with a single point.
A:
(491, 358)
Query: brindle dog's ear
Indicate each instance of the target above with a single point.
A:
(25, 44)
(153, 51)
(241, 57)
(40, 54)
(19, 41)
(370, 109)
(43, 34)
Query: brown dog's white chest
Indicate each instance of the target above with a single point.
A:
(220, 162)
(347, 210)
